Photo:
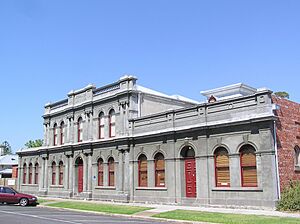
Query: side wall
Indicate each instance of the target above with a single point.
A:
(288, 138)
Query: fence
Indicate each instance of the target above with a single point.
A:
(10, 182)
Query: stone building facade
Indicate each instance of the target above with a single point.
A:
(124, 142)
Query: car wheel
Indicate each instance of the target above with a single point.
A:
(23, 202)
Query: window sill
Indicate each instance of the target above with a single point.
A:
(238, 189)
(105, 187)
(30, 185)
(56, 186)
(151, 188)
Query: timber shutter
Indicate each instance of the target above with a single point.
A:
(143, 178)
(248, 167)
(222, 170)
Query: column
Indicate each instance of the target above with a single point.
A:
(20, 174)
(151, 173)
(235, 170)
(126, 172)
(120, 174)
(66, 173)
(42, 175)
(89, 173)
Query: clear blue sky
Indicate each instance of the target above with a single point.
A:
(48, 48)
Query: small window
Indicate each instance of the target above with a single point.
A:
(30, 174)
(55, 130)
(112, 124)
(101, 125)
(62, 133)
(159, 170)
(248, 166)
(61, 173)
(111, 172)
(53, 167)
(297, 158)
(100, 172)
(36, 173)
(80, 129)
(222, 171)
(143, 177)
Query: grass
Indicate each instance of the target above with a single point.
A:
(95, 207)
(225, 218)
(41, 200)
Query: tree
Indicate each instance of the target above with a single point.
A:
(34, 143)
(282, 94)
(6, 148)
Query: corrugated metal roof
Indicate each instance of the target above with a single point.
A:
(9, 160)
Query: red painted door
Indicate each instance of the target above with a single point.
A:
(190, 177)
(80, 178)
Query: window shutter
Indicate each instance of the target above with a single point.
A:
(222, 169)
(248, 166)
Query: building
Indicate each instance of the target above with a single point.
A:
(6, 165)
(124, 142)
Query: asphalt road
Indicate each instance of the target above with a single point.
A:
(12, 214)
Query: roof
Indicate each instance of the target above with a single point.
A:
(9, 160)
(231, 91)
(156, 93)
(6, 171)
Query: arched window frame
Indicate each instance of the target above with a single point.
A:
(53, 170)
(248, 167)
(143, 169)
(112, 123)
(111, 172)
(160, 176)
(222, 168)
(55, 140)
(24, 173)
(297, 156)
(79, 129)
(100, 172)
(61, 173)
(36, 173)
(30, 173)
(62, 133)
(101, 122)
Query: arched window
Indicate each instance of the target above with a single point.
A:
(222, 171)
(62, 133)
(80, 129)
(159, 170)
(248, 166)
(112, 124)
(143, 177)
(61, 173)
(55, 130)
(111, 172)
(30, 174)
(101, 125)
(100, 172)
(53, 168)
(24, 173)
(36, 173)
(297, 157)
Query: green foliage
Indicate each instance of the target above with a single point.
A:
(7, 148)
(212, 217)
(290, 198)
(282, 94)
(34, 143)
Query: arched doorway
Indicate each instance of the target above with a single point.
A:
(79, 168)
(188, 154)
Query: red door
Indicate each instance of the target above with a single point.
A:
(190, 177)
(80, 178)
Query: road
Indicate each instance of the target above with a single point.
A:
(14, 214)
